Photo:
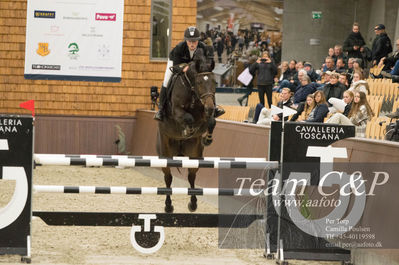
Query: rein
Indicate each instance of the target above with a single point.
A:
(193, 88)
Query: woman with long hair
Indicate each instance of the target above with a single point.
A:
(359, 114)
(321, 110)
(342, 105)
(359, 84)
(308, 108)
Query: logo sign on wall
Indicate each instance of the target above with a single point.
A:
(60, 36)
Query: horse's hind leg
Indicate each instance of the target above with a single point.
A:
(192, 205)
(168, 181)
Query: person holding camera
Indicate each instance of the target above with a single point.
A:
(266, 70)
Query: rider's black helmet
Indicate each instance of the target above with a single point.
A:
(191, 34)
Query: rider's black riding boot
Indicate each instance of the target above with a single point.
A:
(162, 102)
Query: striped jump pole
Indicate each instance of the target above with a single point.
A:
(43, 160)
(142, 190)
(153, 157)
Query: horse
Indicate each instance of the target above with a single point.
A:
(189, 120)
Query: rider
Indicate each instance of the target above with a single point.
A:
(183, 53)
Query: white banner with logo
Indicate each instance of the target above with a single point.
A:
(74, 40)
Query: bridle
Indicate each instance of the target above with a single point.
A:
(194, 89)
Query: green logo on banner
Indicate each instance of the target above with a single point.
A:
(73, 50)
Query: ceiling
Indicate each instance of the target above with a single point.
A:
(217, 12)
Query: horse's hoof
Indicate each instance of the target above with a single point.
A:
(207, 141)
(169, 208)
(192, 207)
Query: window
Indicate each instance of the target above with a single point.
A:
(161, 14)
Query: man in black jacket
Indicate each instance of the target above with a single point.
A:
(184, 53)
(334, 89)
(381, 44)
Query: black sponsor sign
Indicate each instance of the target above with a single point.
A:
(44, 14)
(46, 67)
(16, 148)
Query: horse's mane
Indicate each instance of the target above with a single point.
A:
(200, 61)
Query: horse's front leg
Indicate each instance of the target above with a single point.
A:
(185, 119)
(168, 182)
(207, 139)
(192, 205)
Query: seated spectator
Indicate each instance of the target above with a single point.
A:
(343, 79)
(342, 105)
(311, 73)
(339, 53)
(340, 66)
(334, 89)
(292, 70)
(265, 116)
(357, 66)
(359, 114)
(350, 69)
(295, 82)
(329, 65)
(304, 89)
(321, 109)
(359, 84)
(391, 63)
(304, 109)
(299, 66)
(284, 75)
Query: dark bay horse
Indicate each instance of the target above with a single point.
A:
(189, 121)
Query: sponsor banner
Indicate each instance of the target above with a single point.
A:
(74, 40)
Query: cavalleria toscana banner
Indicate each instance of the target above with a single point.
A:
(74, 40)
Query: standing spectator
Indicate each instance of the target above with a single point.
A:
(321, 110)
(334, 89)
(354, 43)
(219, 48)
(266, 71)
(250, 86)
(359, 114)
(381, 45)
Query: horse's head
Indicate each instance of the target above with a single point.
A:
(204, 84)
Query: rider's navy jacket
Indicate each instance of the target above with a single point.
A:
(181, 54)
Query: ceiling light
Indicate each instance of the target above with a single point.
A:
(218, 8)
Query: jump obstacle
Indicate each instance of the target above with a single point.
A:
(157, 221)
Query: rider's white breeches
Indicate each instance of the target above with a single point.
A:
(168, 73)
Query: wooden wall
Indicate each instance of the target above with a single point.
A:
(75, 98)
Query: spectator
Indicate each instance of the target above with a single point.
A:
(304, 109)
(357, 66)
(350, 68)
(311, 73)
(299, 66)
(354, 43)
(250, 86)
(292, 69)
(219, 48)
(343, 79)
(338, 53)
(381, 45)
(304, 90)
(359, 84)
(266, 72)
(391, 63)
(329, 64)
(334, 89)
(359, 114)
(342, 105)
(321, 109)
(265, 116)
(340, 66)
(284, 75)
(295, 82)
